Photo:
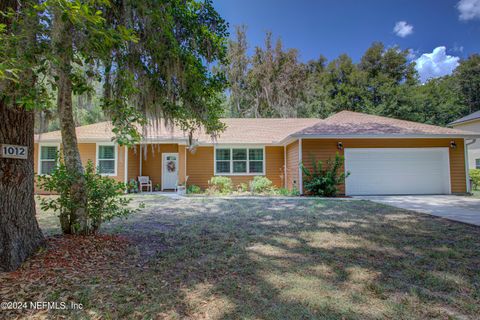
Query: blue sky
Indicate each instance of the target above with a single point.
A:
(444, 30)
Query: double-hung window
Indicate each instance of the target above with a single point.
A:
(477, 163)
(238, 161)
(239, 158)
(47, 159)
(222, 163)
(107, 159)
(255, 160)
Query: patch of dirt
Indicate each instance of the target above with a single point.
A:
(69, 254)
(63, 260)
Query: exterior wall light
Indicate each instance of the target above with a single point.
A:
(453, 144)
(339, 145)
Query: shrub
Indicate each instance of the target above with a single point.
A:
(242, 187)
(194, 189)
(220, 184)
(475, 176)
(132, 186)
(295, 192)
(260, 184)
(105, 199)
(284, 192)
(324, 182)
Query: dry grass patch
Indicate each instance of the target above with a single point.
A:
(206, 258)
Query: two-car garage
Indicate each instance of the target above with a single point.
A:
(389, 171)
(388, 156)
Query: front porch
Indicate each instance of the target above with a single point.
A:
(164, 163)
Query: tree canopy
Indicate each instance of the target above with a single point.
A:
(273, 82)
(143, 60)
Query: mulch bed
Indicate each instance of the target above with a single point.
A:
(64, 261)
(71, 254)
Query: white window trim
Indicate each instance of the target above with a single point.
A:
(231, 160)
(101, 144)
(45, 144)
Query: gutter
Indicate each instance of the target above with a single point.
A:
(101, 140)
(471, 142)
(387, 136)
(285, 141)
(294, 137)
(467, 171)
(454, 124)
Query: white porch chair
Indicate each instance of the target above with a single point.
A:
(144, 181)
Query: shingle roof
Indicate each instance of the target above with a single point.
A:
(273, 131)
(259, 130)
(245, 130)
(470, 117)
(348, 123)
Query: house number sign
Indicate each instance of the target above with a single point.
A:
(12, 151)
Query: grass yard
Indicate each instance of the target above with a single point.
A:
(209, 258)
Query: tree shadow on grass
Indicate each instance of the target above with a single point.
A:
(292, 259)
(281, 259)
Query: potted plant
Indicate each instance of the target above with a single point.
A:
(182, 189)
(132, 186)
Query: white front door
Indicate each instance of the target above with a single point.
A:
(397, 171)
(169, 170)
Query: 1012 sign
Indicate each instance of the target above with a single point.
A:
(13, 151)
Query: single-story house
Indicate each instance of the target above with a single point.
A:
(383, 155)
(471, 123)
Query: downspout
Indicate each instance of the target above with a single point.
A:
(467, 164)
(300, 173)
(285, 166)
(125, 168)
(141, 160)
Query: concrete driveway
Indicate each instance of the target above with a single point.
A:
(458, 208)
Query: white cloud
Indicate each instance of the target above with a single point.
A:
(412, 54)
(403, 29)
(435, 64)
(457, 48)
(469, 9)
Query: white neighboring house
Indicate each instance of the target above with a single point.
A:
(471, 123)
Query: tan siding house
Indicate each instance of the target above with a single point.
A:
(383, 155)
(200, 166)
(292, 164)
(471, 123)
(324, 149)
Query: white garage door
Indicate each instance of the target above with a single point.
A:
(397, 171)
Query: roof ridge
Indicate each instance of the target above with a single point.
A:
(293, 118)
(386, 118)
(344, 111)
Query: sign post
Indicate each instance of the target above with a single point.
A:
(13, 151)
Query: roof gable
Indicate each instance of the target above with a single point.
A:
(471, 117)
(354, 123)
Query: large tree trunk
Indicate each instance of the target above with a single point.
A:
(63, 44)
(20, 235)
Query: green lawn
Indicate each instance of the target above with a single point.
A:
(209, 258)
